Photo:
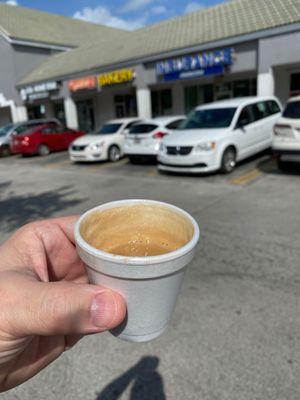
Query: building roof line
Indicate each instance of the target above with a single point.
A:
(265, 33)
(30, 43)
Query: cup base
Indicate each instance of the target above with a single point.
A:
(139, 338)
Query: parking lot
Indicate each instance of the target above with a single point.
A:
(235, 333)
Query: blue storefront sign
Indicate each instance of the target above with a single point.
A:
(202, 64)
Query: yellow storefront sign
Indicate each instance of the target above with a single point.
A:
(115, 77)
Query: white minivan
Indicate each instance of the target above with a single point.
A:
(215, 136)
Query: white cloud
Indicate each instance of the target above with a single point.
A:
(159, 10)
(193, 6)
(12, 2)
(133, 5)
(102, 15)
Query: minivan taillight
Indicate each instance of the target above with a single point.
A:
(159, 135)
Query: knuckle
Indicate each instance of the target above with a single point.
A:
(54, 309)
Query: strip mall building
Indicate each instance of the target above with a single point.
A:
(84, 73)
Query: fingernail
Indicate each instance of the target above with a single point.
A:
(103, 309)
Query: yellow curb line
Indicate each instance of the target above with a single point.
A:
(246, 178)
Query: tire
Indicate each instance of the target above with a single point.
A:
(5, 151)
(114, 153)
(43, 150)
(228, 160)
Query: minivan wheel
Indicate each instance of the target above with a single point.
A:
(43, 150)
(114, 153)
(228, 160)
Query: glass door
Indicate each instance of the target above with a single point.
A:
(86, 116)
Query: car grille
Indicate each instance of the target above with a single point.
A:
(78, 148)
(179, 150)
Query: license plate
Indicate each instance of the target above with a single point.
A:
(137, 141)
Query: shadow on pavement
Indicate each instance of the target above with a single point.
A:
(147, 383)
(16, 210)
(4, 185)
(269, 166)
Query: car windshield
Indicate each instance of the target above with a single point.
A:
(292, 110)
(209, 118)
(108, 129)
(5, 129)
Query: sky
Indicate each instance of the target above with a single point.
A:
(124, 14)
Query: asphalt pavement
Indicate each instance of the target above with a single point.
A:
(235, 333)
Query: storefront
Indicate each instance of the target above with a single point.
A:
(185, 82)
(101, 97)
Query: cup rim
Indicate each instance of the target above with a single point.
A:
(119, 259)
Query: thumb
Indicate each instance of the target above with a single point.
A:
(53, 308)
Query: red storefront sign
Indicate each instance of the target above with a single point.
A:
(86, 83)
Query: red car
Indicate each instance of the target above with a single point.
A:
(43, 139)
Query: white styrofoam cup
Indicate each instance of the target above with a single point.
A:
(149, 285)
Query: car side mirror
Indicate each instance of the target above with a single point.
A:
(125, 131)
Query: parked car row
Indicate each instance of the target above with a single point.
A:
(212, 137)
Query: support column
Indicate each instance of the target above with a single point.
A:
(143, 97)
(266, 83)
(18, 113)
(178, 99)
(71, 113)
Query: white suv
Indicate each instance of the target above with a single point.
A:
(105, 144)
(286, 139)
(217, 135)
(143, 139)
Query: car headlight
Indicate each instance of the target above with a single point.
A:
(96, 146)
(205, 146)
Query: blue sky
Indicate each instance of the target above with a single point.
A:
(127, 14)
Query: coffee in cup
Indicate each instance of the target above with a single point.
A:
(139, 230)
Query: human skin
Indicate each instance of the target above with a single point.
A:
(46, 303)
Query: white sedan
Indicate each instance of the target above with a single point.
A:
(105, 144)
(143, 139)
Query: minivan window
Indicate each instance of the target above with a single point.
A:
(292, 110)
(246, 116)
(142, 128)
(260, 110)
(209, 118)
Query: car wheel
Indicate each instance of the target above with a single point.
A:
(43, 150)
(114, 153)
(228, 160)
(5, 151)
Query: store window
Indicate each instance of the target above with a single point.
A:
(245, 87)
(295, 84)
(197, 95)
(86, 116)
(125, 106)
(36, 112)
(59, 112)
(162, 103)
